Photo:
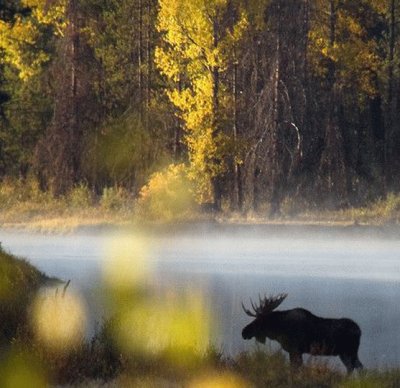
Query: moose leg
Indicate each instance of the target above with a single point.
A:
(296, 360)
(347, 362)
(357, 363)
(351, 362)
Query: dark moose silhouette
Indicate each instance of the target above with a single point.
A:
(299, 331)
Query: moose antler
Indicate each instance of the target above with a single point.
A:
(248, 312)
(267, 304)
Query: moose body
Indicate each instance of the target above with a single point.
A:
(299, 331)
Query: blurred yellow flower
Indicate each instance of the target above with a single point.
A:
(126, 264)
(59, 321)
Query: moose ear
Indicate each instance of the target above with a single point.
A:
(261, 339)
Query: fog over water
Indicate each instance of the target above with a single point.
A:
(333, 274)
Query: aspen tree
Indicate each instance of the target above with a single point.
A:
(20, 38)
(197, 46)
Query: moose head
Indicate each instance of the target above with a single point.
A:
(299, 331)
(262, 327)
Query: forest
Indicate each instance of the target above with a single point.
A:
(256, 103)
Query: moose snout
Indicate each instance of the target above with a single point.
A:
(246, 333)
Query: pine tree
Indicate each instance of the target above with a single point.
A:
(60, 151)
(344, 57)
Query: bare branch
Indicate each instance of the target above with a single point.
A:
(65, 288)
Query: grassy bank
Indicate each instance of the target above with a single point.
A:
(24, 206)
(99, 363)
(19, 282)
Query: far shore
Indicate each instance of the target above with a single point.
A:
(296, 227)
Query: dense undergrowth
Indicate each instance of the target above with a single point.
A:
(22, 203)
(151, 352)
(165, 199)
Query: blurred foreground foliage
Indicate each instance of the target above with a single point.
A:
(152, 338)
(19, 281)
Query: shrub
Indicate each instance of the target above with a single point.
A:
(392, 205)
(17, 191)
(382, 211)
(7, 194)
(168, 195)
(79, 197)
(114, 198)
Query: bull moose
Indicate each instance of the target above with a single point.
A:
(299, 331)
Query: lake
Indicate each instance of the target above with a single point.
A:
(335, 273)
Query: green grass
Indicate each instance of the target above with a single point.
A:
(19, 282)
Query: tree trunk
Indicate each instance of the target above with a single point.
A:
(388, 153)
(332, 166)
(216, 184)
(275, 141)
(237, 195)
(148, 63)
(140, 58)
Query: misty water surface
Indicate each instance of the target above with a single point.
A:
(355, 275)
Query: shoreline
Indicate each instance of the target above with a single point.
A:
(259, 228)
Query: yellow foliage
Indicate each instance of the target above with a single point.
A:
(59, 321)
(18, 39)
(167, 196)
(185, 324)
(170, 68)
(51, 15)
(190, 49)
(21, 369)
(13, 39)
(219, 380)
(355, 56)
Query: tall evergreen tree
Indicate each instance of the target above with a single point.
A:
(59, 155)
